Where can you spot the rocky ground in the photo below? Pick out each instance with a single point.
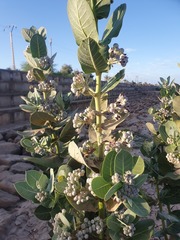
(17, 221)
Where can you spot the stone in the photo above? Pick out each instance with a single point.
(10, 134)
(1, 137)
(21, 167)
(5, 220)
(7, 183)
(9, 148)
(3, 168)
(9, 159)
(17, 139)
(7, 199)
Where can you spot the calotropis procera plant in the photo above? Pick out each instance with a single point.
(95, 192)
(164, 157)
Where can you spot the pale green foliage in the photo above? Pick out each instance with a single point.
(92, 189)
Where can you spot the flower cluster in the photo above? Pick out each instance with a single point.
(79, 85)
(41, 195)
(42, 145)
(30, 76)
(116, 178)
(128, 189)
(117, 55)
(74, 188)
(61, 232)
(54, 109)
(80, 119)
(173, 158)
(125, 139)
(45, 62)
(117, 108)
(47, 86)
(128, 178)
(129, 230)
(90, 226)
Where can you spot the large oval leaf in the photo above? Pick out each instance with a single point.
(112, 190)
(91, 56)
(114, 24)
(25, 191)
(38, 46)
(43, 213)
(144, 230)
(34, 177)
(138, 167)
(139, 206)
(113, 82)
(75, 153)
(100, 187)
(82, 20)
(41, 118)
(108, 166)
(123, 162)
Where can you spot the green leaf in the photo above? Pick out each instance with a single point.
(108, 166)
(173, 226)
(102, 8)
(171, 175)
(63, 171)
(138, 168)
(42, 31)
(25, 191)
(151, 128)
(113, 82)
(38, 74)
(41, 118)
(38, 46)
(100, 187)
(144, 229)
(33, 62)
(27, 144)
(90, 56)
(113, 223)
(123, 162)
(60, 186)
(75, 153)
(28, 108)
(59, 100)
(43, 213)
(82, 20)
(114, 235)
(170, 195)
(28, 33)
(138, 181)
(112, 190)
(163, 133)
(139, 206)
(48, 162)
(114, 24)
(176, 105)
(34, 177)
(68, 132)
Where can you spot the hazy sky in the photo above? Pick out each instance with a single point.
(150, 35)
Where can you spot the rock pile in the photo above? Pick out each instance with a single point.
(17, 221)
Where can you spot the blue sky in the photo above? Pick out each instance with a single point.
(150, 35)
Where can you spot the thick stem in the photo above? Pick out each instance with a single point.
(97, 99)
(161, 209)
